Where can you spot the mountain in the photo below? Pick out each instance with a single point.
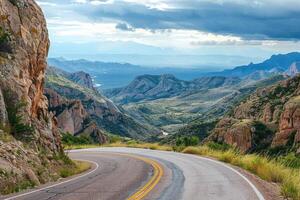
(30, 147)
(151, 87)
(276, 64)
(79, 106)
(170, 103)
(82, 78)
(293, 70)
(215, 82)
(268, 120)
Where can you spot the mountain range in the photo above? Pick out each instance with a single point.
(151, 87)
(170, 103)
(275, 64)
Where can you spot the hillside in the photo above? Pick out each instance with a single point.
(30, 145)
(183, 101)
(267, 120)
(152, 87)
(79, 106)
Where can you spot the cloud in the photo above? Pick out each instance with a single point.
(261, 19)
(124, 27)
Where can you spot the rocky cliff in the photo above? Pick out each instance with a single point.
(73, 118)
(24, 116)
(269, 118)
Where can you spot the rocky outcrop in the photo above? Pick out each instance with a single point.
(73, 118)
(276, 107)
(70, 114)
(82, 78)
(289, 124)
(30, 146)
(22, 71)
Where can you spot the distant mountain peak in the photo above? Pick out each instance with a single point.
(294, 69)
(83, 79)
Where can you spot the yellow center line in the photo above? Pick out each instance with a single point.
(149, 186)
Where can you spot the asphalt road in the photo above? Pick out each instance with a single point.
(117, 175)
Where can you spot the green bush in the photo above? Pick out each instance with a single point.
(218, 146)
(18, 129)
(63, 157)
(68, 139)
(187, 141)
(4, 41)
(115, 139)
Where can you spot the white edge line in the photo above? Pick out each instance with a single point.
(34, 191)
(257, 192)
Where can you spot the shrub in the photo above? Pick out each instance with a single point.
(115, 139)
(4, 41)
(18, 129)
(63, 157)
(187, 141)
(218, 146)
(68, 139)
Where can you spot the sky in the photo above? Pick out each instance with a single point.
(183, 33)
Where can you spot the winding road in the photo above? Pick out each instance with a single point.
(135, 174)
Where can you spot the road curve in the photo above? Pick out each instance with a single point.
(186, 177)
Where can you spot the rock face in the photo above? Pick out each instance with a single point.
(22, 71)
(73, 118)
(24, 115)
(276, 107)
(70, 114)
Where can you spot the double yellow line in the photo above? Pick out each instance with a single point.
(158, 173)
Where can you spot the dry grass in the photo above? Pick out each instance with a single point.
(77, 168)
(153, 146)
(266, 168)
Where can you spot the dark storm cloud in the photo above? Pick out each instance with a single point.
(124, 27)
(260, 19)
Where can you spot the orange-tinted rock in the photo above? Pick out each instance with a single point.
(22, 70)
(277, 106)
